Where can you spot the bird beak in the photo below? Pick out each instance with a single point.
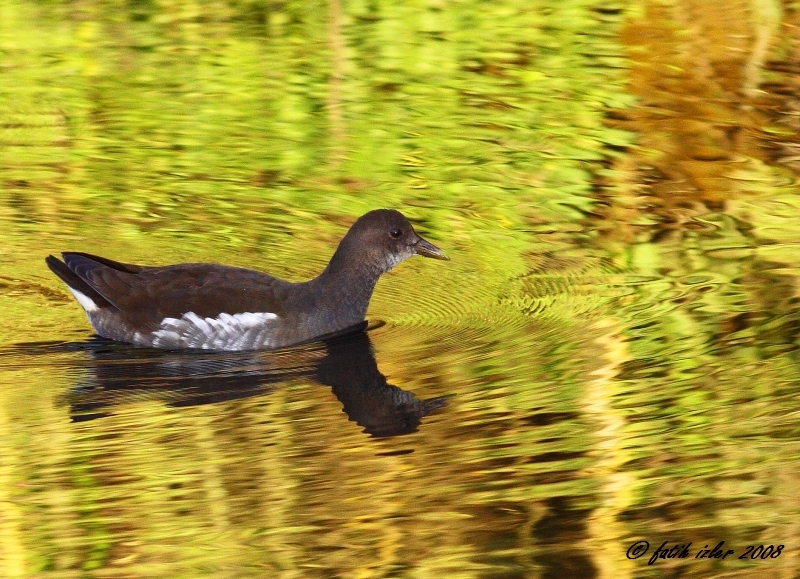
(427, 249)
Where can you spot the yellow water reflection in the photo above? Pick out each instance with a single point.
(610, 356)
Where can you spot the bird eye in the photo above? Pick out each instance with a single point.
(395, 233)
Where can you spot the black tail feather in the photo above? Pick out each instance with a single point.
(74, 281)
(76, 260)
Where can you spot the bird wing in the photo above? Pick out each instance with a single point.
(145, 296)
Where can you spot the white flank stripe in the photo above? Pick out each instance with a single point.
(225, 332)
(202, 325)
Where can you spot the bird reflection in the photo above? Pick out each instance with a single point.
(346, 363)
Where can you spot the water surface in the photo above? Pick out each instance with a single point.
(610, 356)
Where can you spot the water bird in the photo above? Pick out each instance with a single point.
(217, 307)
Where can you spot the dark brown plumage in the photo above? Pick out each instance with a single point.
(201, 305)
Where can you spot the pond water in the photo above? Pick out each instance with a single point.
(611, 356)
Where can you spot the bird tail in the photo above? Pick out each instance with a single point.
(75, 282)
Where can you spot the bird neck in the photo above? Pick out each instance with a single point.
(344, 290)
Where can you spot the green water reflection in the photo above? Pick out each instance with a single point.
(615, 336)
